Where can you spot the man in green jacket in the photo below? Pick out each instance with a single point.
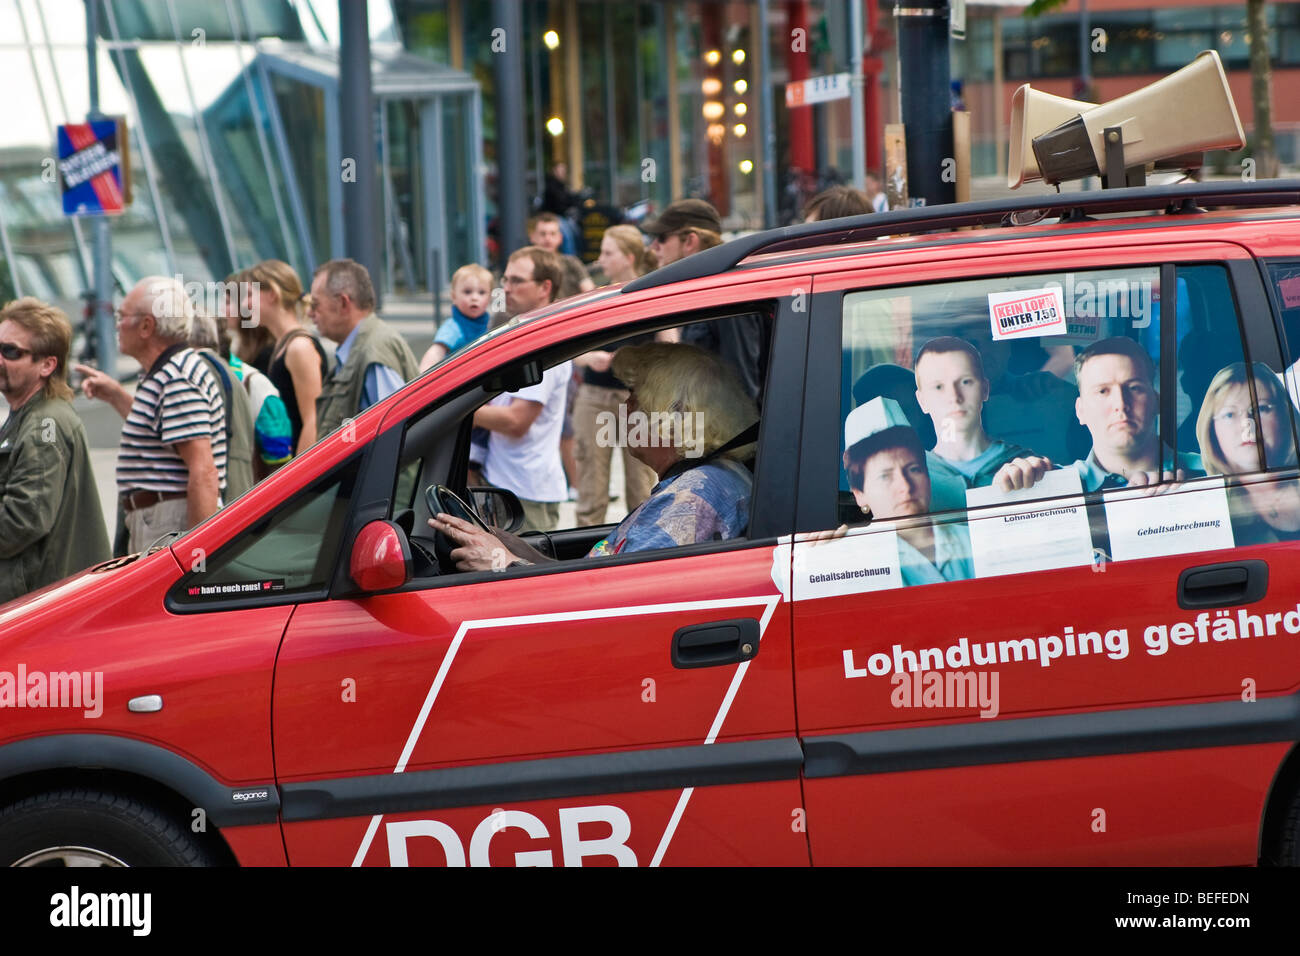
(51, 521)
(373, 360)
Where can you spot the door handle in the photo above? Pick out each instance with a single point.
(1222, 585)
(718, 642)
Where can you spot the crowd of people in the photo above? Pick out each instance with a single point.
(543, 443)
(225, 399)
(222, 401)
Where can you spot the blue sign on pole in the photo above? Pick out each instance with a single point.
(92, 161)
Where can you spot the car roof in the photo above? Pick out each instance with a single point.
(1151, 207)
(1242, 212)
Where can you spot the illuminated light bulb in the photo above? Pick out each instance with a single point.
(555, 126)
(551, 39)
(711, 86)
(740, 86)
(746, 166)
(737, 57)
(739, 129)
(741, 109)
(713, 110)
(713, 57)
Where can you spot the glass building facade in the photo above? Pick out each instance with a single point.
(232, 112)
(658, 99)
(234, 128)
(1133, 48)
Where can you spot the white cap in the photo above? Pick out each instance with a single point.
(871, 418)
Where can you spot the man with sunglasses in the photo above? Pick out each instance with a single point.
(684, 228)
(51, 522)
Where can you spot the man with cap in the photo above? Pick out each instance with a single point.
(889, 479)
(689, 226)
(684, 228)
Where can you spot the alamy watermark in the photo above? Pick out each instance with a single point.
(74, 908)
(72, 689)
(220, 299)
(1115, 298)
(958, 690)
(638, 429)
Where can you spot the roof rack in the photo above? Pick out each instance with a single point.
(1179, 198)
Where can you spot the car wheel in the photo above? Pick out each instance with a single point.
(88, 828)
(1288, 844)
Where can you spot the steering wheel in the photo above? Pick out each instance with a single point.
(440, 498)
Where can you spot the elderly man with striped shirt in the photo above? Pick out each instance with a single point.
(171, 464)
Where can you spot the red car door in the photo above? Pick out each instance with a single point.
(539, 718)
(1076, 711)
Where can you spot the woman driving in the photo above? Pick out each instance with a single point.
(690, 420)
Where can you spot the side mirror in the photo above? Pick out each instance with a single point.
(381, 558)
(498, 507)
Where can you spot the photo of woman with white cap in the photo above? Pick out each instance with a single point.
(889, 479)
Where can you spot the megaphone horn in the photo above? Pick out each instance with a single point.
(1033, 111)
(1153, 121)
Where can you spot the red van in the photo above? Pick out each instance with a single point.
(1020, 586)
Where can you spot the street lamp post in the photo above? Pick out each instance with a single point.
(771, 215)
(100, 312)
(357, 136)
(926, 100)
(509, 76)
(856, 83)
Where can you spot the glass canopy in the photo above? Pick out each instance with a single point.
(232, 109)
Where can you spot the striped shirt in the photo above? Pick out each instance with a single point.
(178, 400)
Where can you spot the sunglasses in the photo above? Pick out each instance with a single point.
(13, 352)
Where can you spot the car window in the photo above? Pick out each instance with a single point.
(1218, 417)
(1026, 358)
(1284, 276)
(288, 552)
(965, 404)
(585, 405)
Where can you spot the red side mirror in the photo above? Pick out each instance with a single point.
(381, 558)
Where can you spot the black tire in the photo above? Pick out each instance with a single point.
(1288, 843)
(107, 829)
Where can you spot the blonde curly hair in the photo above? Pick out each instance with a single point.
(673, 378)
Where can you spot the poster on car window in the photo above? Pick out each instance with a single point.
(1026, 533)
(852, 564)
(1147, 525)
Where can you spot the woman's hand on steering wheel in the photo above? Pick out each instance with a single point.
(476, 549)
